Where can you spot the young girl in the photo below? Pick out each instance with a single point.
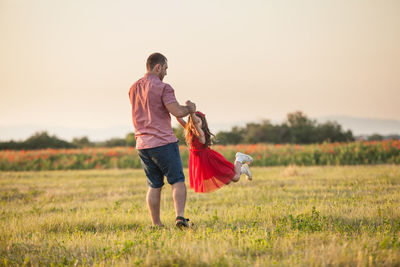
(208, 169)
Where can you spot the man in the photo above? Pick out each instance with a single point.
(152, 102)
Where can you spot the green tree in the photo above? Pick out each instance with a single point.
(180, 134)
(130, 139)
(235, 136)
(113, 142)
(82, 142)
(302, 129)
(375, 137)
(331, 131)
(11, 145)
(264, 132)
(283, 133)
(43, 140)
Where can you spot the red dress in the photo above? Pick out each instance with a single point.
(208, 169)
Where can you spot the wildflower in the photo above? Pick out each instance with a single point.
(112, 153)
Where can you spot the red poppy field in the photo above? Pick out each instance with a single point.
(356, 153)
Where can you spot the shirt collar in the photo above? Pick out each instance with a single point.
(151, 75)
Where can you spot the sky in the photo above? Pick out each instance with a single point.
(70, 63)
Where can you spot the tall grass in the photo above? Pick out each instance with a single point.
(287, 216)
(355, 153)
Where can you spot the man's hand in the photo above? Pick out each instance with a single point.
(191, 106)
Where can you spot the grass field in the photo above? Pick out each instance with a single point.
(305, 216)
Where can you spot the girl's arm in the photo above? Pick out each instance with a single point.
(181, 122)
(195, 119)
(200, 133)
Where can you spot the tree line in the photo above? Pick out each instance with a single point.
(296, 129)
(42, 140)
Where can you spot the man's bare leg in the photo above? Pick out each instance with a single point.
(153, 203)
(179, 196)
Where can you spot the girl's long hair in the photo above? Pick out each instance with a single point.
(190, 130)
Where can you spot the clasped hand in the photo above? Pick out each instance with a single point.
(191, 106)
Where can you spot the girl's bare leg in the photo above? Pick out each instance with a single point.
(237, 168)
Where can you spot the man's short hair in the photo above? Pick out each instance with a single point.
(154, 59)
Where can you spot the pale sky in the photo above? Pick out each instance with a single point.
(71, 63)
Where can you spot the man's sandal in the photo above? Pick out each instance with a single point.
(181, 222)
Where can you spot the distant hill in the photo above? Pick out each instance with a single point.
(365, 126)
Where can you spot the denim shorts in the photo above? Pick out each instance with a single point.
(162, 161)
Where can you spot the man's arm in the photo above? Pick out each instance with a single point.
(180, 111)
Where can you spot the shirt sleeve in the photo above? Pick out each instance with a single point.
(168, 95)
